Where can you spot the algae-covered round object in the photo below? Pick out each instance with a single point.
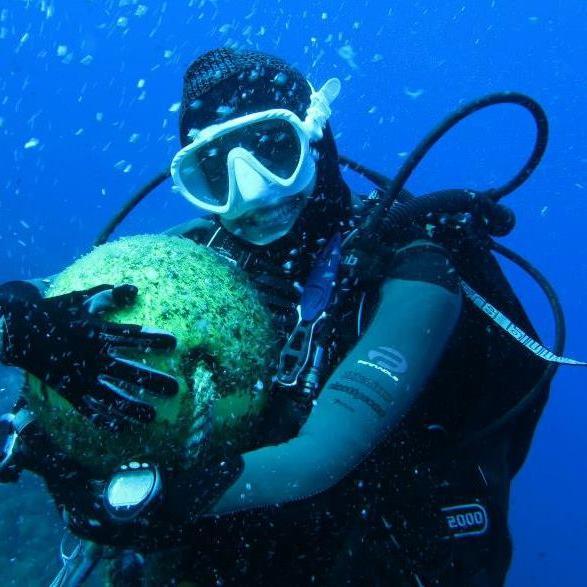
(223, 360)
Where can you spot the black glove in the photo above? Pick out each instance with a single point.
(61, 341)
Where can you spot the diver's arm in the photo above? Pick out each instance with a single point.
(368, 392)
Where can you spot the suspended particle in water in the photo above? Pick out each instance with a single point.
(280, 79)
(348, 54)
(61, 50)
(174, 107)
(224, 110)
(414, 94)
(32, 143)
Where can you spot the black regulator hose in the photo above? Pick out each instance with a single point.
(373, 176)
(137, 198)
(392, 188)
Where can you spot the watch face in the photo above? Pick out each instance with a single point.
(131, 489)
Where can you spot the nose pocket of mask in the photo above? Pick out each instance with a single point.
(250, 182)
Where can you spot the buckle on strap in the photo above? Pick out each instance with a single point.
(312, 309)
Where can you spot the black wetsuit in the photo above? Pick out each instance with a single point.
(369, 491)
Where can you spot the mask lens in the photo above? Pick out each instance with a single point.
(274, 143)
(204, 175)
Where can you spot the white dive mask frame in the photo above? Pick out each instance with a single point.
(308, 131)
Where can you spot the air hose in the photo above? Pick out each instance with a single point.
(392, 188)
(136, 199)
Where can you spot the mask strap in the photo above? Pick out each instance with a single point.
(319, 110)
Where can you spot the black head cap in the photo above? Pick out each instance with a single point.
(224, 84)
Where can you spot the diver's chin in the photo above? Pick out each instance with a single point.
(266, 225)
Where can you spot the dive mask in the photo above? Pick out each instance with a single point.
(257, 169)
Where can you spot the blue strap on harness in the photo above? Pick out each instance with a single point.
(316, 298)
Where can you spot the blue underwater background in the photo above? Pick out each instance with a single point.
(89, 91)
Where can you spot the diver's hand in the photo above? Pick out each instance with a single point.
(62, 341)
(174, 515)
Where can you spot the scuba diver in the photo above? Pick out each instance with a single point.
(409, 383)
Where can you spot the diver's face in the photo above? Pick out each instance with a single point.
(270, 182)
(255, 171)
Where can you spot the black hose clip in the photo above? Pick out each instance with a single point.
(478, 210)
(499, 219)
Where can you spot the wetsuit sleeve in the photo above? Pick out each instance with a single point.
(369, 391)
